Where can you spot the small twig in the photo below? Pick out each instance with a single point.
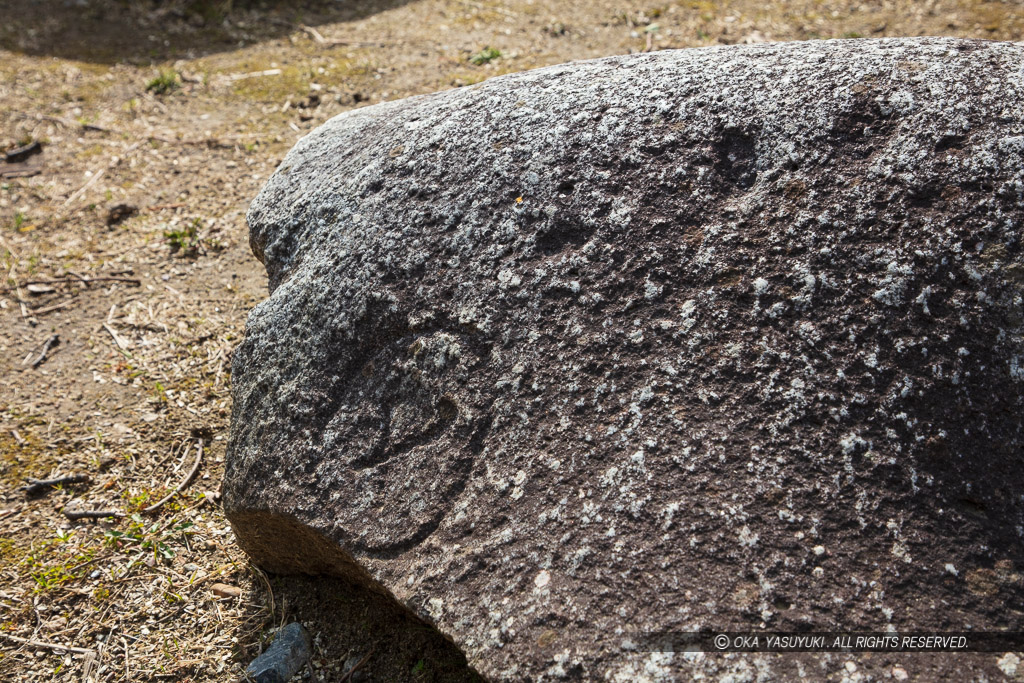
(48, 646)
(102, 647)
(96, 176)
(318, 676)
(319, 39)
(51, 308)
(6, 246)
(148, 138)
(129, 280)
(83, 279)
(313, 33)
(176, 449)
(161, 207)
(137, 577)
(91, 514)
(17, 435)
(358, 665)
(212, 575)
(117, 341)
(127, 675)
(89, 667)
(53, 119)
(486, 8)
(47, 345)
(184, 482)
(83, 564)
(35, 486)
(20, 172)
(212, 143)
(66, 122)
(254, 74)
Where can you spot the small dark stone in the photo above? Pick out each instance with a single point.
(286, 655)
(120, 213)
(202, 432)
(23, 152)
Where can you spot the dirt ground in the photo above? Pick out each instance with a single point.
(127, 277)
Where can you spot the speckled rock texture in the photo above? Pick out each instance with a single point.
(723, 338)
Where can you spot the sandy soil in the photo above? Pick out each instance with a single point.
(123, 244)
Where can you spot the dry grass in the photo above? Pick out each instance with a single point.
(142, 368)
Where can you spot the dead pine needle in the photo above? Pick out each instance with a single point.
(118, 344)
(47, 646)
(270, 591)
(114, 161)
(358, 665)
(184, 482)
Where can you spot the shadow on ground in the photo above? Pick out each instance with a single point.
(114, 31)
(350, 625)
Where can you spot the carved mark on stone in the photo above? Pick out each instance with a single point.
(388, 419)
(387, 546)
(387, 447)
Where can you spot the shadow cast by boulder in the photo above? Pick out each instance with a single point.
(152, 31)
(350, 624)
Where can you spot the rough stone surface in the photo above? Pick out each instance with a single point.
(284, 658)
(724, 338)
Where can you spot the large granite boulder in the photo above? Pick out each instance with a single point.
(726, 338)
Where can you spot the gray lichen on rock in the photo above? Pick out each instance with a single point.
(727, 338)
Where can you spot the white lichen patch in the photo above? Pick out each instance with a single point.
(508, 278)
(747, 537)
(1009, 664)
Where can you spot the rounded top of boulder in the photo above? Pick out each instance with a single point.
(792, 92)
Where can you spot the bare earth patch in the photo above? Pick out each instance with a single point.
(125, 256)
